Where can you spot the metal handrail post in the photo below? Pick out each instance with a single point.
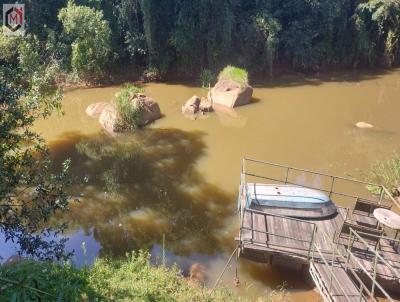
(332, 183)
(374, 276)
(287, 175)
(381, 195)
(312, 239)
(330, 281)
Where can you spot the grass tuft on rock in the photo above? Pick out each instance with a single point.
(131, 279)
(130, 112)
(233, 73)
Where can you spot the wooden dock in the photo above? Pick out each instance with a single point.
(344, 268)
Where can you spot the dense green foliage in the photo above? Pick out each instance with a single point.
(234, 74)
(129, 279)
(386, 173)
(184, 37)
(130, 112)
(90, 38)
(29, 192)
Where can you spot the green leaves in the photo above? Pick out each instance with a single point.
(377, 25)
(30, 189)
(91, 39)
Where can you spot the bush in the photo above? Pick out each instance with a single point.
(130, 112)
(91, 39)
(152, 74)
(234, 74)
(386, 173)
(206, 78)
(129, 279)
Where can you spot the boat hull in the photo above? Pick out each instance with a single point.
(287, 200)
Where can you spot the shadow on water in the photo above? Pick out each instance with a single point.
(143, 185)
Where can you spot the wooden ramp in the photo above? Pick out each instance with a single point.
(334, 283)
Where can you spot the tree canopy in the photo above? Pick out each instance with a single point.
(30, 192)
(185, 37)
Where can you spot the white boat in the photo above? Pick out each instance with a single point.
(287, 200)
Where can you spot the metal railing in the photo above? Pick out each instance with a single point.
(377, 259)
(326, 286)
(383, 195)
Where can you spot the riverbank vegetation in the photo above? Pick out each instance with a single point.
(174, 38)
(387, 173)
(130, 279)
(31, 188)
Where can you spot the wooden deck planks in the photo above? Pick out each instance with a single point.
(270, 244)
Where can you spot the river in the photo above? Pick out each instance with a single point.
(179, 177)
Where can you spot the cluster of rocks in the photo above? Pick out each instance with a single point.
(225, 94)
(109, 116)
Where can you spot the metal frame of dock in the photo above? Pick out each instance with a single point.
(341, 272)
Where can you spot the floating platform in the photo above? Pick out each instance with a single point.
(286, 221)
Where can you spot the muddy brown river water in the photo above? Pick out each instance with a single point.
(179, 177)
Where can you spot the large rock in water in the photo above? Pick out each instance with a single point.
(150, 109)
(94, 110)
(110, 118)
(230, 93)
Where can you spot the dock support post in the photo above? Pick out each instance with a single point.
(223, 271)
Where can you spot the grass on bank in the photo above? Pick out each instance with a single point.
(233, 73)
(130, 113)
(130, 279)
(387, 173)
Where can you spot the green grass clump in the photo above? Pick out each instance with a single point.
(206, 78)
(386, 173)
(130, 113)
(233, 73)
(129, 279)
(43, 281)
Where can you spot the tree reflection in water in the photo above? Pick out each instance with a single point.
(143, 185)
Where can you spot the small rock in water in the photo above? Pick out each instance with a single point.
(364, 125)
(197, 273)
(196, 106)
(13, 259)
(191, 106)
